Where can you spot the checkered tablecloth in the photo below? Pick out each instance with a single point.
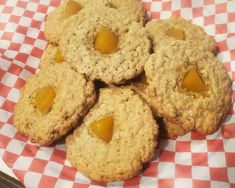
(193, 160)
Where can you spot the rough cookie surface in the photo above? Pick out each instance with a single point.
(74, 96)
(133, 141)
(77, 46)
(167, 128)
(48, 56)
(202, 112)
(157, 30)
(56, 20)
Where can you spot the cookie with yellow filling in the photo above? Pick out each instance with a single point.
(162, 32)
(116, 137)
(57, 19)
(105, 46)
(189, 87)
(52, 102)
(167, 128)
(51, 55)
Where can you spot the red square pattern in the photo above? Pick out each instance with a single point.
(183, 146)
(201, 184)
(231, 17)
(7, 9)
(80, 185)
(165, 183)
(221, 28)
(20, 137)
(68, 173)
(183, 171)
(228, 131)
(199, 159)
(58, 156)
(8, 106)
(166, 156)
(47, 181)
(21, 4)
(133, 182)
(4, 141)
(215, 145)
(30, 150)
(4, 90)
(15, 69)
(38, 165)
(151, 170)
(10, 158)
(209, 20)
(197, 12)
(166, 6)
(230, 159)
(219, 174)
(221, 8)
(197, 136)
(186, 4)
(19, 83)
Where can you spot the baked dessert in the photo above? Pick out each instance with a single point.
(105, 47)
(51, 55)
(188, 86)
(116, 137)
(162, 32)
(57, 19)
(52, 102)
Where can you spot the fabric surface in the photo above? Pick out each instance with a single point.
(192, 160)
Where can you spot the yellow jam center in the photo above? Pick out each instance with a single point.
(103, 128)
(58, 56)
(72, 8)
(193, 82)
(44, 98)
(106, 41)
(176, 33)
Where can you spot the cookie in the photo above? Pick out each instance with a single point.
(167, 128)
(162, 32)
(132, 143)
(57, 19)
(52, 102)
(129, 41)
(48, 56)
(188, 87)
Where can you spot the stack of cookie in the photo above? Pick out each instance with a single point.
(178, 80)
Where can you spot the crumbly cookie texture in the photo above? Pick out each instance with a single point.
(194, 111)
(157, 30)
(48, 56)
(171, 130)
(77, 46)
(133, 141)
(133, 9)
(167, 128)
(56, 20)
(74, 96)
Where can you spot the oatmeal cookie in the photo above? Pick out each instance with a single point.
(48, 56)
(52, 102)
(188, 87)
(162, 32)
(167, 128)
(78, 46)
(57, 19)
(132, 143)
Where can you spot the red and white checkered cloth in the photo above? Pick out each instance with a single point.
(193, 160)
